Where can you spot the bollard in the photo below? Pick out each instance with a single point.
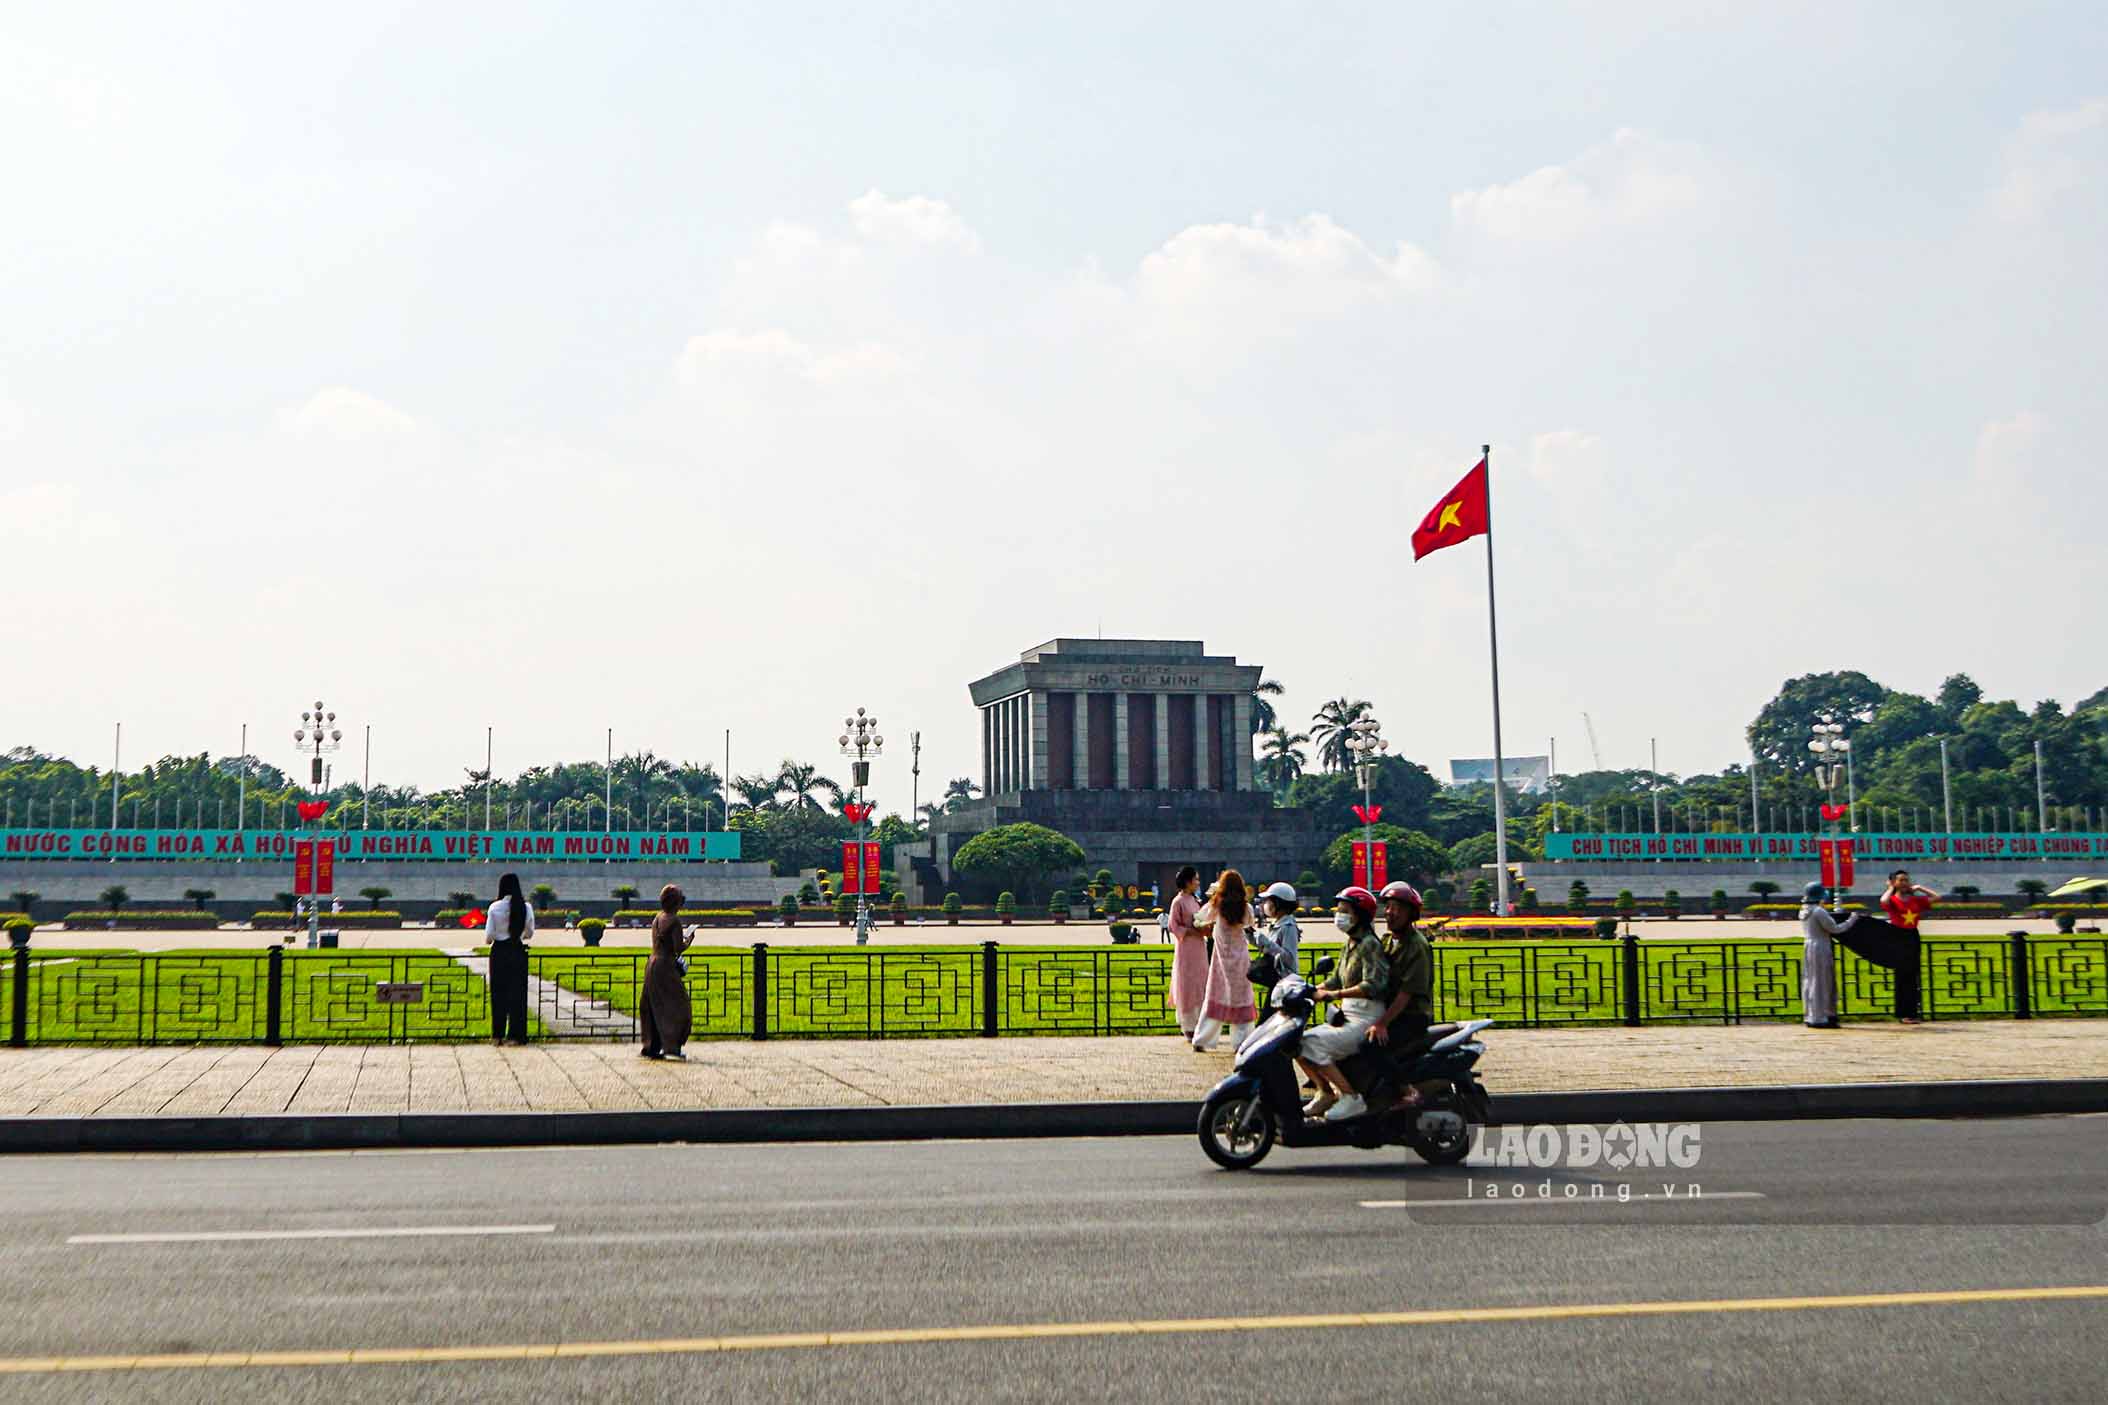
(1631, 956)
(274, 995)
(18, 1015)
(2022, 977)
(761, 990)
(991, 989)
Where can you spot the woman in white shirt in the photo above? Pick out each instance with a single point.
(509, 927)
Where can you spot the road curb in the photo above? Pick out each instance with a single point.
(355, 1131)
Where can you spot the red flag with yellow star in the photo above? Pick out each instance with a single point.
(1459, 516)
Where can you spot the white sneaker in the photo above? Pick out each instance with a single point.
(1352, 1105)
(1317, 1105)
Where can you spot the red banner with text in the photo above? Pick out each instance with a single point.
(325, 866)
(303, 868)
(852, 866)
(1368, 874)
(871, 867)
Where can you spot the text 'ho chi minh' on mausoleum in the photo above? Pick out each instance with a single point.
(1140, 750)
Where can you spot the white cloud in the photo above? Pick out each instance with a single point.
(1312, 258)
(914, 219)
(2053, 155)
(1568, 458)
(340, 412)
(2006, 450)
(1632, 180)
(713, 356)
(51, 512)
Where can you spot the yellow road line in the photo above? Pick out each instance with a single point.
(1019, 1331)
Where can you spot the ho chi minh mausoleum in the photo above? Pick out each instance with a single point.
(1140, 750)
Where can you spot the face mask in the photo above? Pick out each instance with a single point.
(1343, 921)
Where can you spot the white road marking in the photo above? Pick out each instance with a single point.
(1562, 1199)
(216, 1236)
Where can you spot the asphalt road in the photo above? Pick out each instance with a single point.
(649, 1249)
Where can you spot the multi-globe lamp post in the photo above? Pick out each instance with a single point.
(1833, 759)
(316, 737)
(860, 742)
(1366, 747)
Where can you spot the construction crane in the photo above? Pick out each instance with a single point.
(1593, 749)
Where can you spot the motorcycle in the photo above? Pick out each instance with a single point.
(1259, 1103)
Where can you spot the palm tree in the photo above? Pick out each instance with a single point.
(797, 781)
(757, 792)
(1282, 760)
(1263, 718)
(960, 793)
(1330, 732)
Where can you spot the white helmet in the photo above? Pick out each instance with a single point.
(1280, 892)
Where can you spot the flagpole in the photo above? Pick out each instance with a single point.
(1500, 788)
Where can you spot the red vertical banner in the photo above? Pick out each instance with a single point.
(1379, 865)
(871, 867)
(1844, 863)
(1361, 863)
(852, 866)
(326, 866)
(303, 868)
(1826, 850)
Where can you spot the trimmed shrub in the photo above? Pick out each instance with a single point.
(788, 907)
(845, 908)
(141, 917)
(1627, 904)
(1606, 927)
(1481, 894)
(377, 895)
(1672, 904)
(1307, 883)
(1058, 905)
(1718, 903)
(590, 929)
(1763, 888)
(952, 908)
(375, 917)
(808, 894)
(1528, 901)
(18, 929)
(115, 897)
(624, 895)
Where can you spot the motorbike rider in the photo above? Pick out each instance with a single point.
(1411, 1007)
(1360, 985)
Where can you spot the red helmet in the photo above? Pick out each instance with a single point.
(1363, 900)
(1404, 892)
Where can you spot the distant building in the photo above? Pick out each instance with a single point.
(1528, 774)
(1138, 749)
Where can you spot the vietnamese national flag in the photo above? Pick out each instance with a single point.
(1459, 516)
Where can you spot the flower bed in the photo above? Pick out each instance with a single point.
(142, 919)
(696, 916)
(554, 917)
(366, 918)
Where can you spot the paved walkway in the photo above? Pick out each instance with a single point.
(574, 1077)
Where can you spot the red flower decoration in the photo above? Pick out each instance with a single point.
(1368, 814)
(474, 917)
(313, 809)
(1836, 812)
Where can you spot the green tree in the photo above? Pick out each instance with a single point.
(1411, 855)
(1263, 694)
(1021, 857)
(1763, 888)
(198, 897)
(1330, 729)
(23, 899)
(802, 787)
(959, 793)
(543, 895)
(115, 897)
(1780, 734)
(2032, 889)
(1577, 896)
(374, 895)
(1281, 759)
(1481, 894)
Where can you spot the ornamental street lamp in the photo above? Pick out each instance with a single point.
(316, 737)
(1833, 762)
(1366, 747)
(860, 742)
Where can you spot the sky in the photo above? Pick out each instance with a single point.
(678, 369)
